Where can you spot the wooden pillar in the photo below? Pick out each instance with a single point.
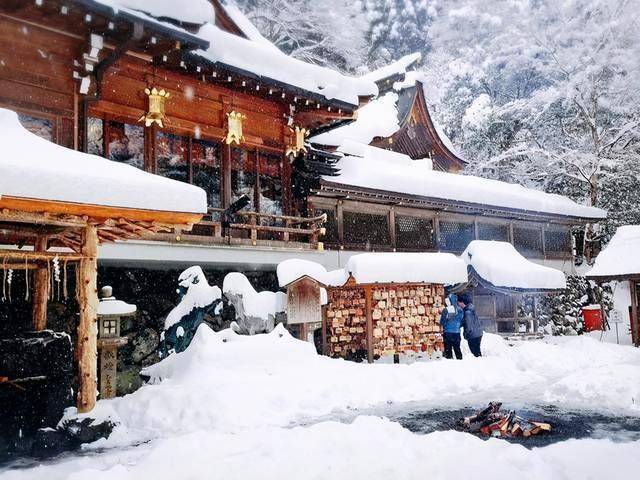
(41, 289)
(226, 175)
(325, 351)
(339, 221)
(88, 326)
(367, 299)
(635, 328)
(392, 228)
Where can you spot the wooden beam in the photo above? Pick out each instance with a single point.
(88, 326)
(41, 289)
(368, 309)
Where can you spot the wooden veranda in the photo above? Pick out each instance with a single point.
(35, 233)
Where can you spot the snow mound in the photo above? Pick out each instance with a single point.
(190, 11)
(256, 304)
(230, 383)
(620, 257)
(291, 270)
(500, 264)
(75, 177)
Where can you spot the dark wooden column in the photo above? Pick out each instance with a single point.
(88, 325)
(635, 329)
(41, 288)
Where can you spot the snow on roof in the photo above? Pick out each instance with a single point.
(189, 11)
(36, 168)
(378, 118)
(291, 270)
(500, 264)
(396, 267)
(112, 306)
(621, 256)
(375, 168)
(271, 63)
(398, 67)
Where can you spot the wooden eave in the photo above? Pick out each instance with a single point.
(609, 278)
(305, 277)
(83, 17)
(28, 217)
(341, 191)
(430, 143)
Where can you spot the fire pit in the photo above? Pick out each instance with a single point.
(491, 421)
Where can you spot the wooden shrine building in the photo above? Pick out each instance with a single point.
(57, 206)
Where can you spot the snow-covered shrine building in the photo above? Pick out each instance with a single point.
(233, 115)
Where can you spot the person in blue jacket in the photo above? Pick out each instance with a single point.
(471, 323)
(451, 321)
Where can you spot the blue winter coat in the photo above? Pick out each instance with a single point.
(451, 323)
(471, 323)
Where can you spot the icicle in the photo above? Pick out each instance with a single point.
(4, 279)
(49, 279)
(64, 282)
(9, 282)
(26, 279)
(56, 274)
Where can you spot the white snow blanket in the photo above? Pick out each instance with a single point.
(230, 400)
(371, 167)
(621, 256)
(113, 306)
(398, 67)
(500, 264)
(31, 167)
(291, 270)
(190, 11)
(395, 267)
(271, 63)
(256, 304)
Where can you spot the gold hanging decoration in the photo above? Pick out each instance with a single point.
(300, 134)
(234, 128)
(155, 112)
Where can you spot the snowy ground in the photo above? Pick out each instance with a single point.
(268, 407)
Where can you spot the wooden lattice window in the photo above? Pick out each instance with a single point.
(455, 236)
(414, 233)
(331, 226)
(365, 229)
(557, 241)
(528, 240)
(493, 231)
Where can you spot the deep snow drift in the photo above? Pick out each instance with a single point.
(218, 410)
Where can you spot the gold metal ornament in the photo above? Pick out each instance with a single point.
(298, 145)
(155, 113)
(234, 128)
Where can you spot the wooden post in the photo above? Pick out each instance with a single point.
(88, 326)
(41, 289)
(634, 313)
(254, 231)
(392, 228)
(367, 299)
(325, 351)
(339, 221)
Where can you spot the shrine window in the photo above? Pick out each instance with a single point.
(493, 231)
(455, 236)
(557, 241)
(172, 156)
(414, 233)
(270, 176)
(125, 143)
(243, 176)
(42, 127)
(206, 170)
(528, 240)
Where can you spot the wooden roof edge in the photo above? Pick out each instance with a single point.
(474, 275)
(439, 203)
(79, 214)
(304, 277)
(610, 278)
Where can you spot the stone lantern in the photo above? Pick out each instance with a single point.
(110, 313)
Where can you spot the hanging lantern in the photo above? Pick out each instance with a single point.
(300, 134)
(234, 128)
(155, 113)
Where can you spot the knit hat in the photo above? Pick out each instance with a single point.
(465, 297)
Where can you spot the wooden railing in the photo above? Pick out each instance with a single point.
(254, 228)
